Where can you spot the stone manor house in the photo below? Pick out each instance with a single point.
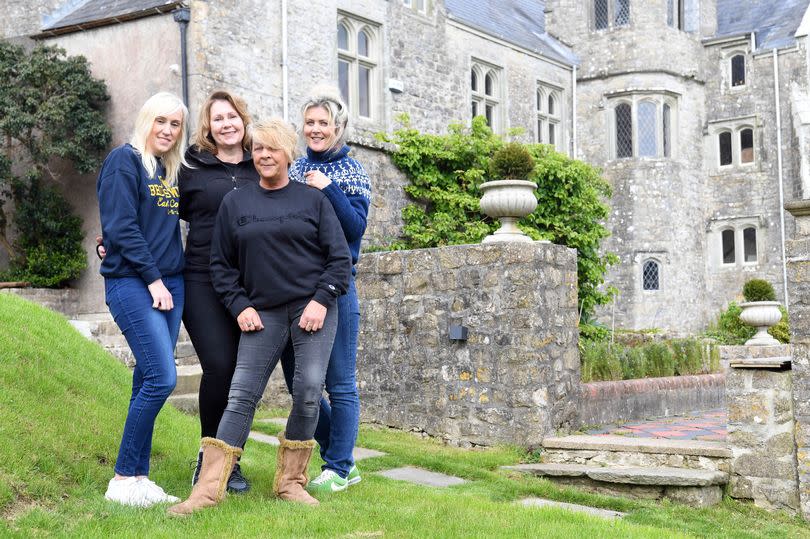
(697, 111)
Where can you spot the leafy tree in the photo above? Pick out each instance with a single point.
(445, 172)
(51, 108)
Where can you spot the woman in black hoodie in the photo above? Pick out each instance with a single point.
(220, 162)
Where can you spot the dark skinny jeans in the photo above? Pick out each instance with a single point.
(259, 352)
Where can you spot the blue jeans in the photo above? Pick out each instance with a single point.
(152, 336)
(258, 355)
(339, 416)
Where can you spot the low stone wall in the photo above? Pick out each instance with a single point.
(604, 403)
(514, 380)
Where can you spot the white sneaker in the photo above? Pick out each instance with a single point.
(127, 491)
(154, 493)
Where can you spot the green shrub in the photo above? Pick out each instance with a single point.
(758, 290)
(688, 356)
(600, 361)
(660, 360)
(634, 363)
(511, 162)
(781, 330)
(49, 244)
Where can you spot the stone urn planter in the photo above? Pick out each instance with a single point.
(509, 201)
(761, 315)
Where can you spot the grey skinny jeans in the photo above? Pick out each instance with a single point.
(259, 352)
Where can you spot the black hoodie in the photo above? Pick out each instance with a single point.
(202, 188)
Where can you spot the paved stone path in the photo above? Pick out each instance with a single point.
(593, 511)
(422, 477)
(709, 426)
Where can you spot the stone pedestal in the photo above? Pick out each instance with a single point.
(760, 429)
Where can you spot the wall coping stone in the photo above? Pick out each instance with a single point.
(699, 448)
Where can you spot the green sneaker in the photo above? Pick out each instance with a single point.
(327, 483)
(354, 476)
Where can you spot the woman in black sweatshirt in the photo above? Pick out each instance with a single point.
(279, 260)
(219, 162)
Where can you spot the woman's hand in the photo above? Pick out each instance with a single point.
(313, 316)
(101, 252)
(161, 297)
(317, 179)
(249, 320)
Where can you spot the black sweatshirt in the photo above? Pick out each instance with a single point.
(202, 187)
(272, 247)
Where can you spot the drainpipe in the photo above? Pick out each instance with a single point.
(182, 16)
(778, 107)
(574, 114)
(284, 83)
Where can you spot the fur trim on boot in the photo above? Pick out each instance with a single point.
(217, 463)
(291, 470)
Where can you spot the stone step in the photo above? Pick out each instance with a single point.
(186, 402)
(188, 379)
(698, 488)
(698, 448)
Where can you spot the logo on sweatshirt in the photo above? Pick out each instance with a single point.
(165, 196)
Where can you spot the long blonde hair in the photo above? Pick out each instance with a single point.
(202, 134)
(161, 104)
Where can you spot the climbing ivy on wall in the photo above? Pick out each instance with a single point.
(445, 171)
(51, 110)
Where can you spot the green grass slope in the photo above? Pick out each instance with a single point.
(62, 407)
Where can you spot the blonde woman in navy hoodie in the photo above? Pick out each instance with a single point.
(143, 278)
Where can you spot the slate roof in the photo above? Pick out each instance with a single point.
(520, 22)
(774, 22)
(91, 13)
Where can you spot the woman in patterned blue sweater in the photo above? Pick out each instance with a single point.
(328, 167)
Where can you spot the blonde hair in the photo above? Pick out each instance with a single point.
(202, 138)
(328, 98)
(161, 104)
(276, 134)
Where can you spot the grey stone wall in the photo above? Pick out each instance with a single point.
(760, 436)
(516, 378)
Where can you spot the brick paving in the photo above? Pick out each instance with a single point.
(706, 425)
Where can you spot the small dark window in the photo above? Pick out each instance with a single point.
(728, 247)
(647, 143)
(474, 80)
(624, 131)
(622, 12)
(750, 244)
(343, 38)
(600, 14)
(474, 109)
(738, 70)
(488, 109)
(540, 130)
(489, 82)
(747, 146)
(725, 148)
(551, 106)
(362, 43)
(539, 101)
(666, 124)
(649, 276)
(552, 130)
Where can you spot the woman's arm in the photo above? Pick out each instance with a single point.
(351, 206)
(334, 281)
(225, 273)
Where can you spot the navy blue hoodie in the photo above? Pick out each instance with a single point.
(140, 221)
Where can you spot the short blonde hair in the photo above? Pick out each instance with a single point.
(276, 134)
(161, 104)
(202, 138)
(329, 99)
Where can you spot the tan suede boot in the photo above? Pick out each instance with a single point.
(291, 470)
(218, 461)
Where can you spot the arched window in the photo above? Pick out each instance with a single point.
(357, 64)
(729, 256)
(624, 131)
(650, 278)
(486, 100)
(747, 145)
(666, 129)
(750, 244)
(737, 70)
(647, 143)
(724, 141)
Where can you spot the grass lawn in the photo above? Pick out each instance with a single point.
(62, 408)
